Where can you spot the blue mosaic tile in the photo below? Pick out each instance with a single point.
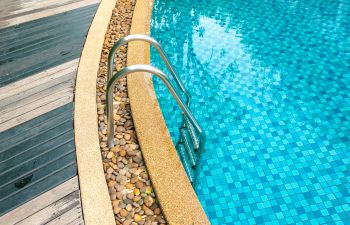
(270, 84)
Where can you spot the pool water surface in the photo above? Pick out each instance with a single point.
(270, 84)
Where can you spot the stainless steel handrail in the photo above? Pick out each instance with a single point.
(162, 76)
(157, 46)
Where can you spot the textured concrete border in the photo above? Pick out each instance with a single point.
(96, 204)
(177, 199)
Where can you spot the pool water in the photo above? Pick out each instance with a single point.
(270, 83)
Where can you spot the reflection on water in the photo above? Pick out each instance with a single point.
(270, 82)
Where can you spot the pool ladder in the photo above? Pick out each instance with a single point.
(192, 137)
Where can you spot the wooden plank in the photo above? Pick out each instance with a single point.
(24, 34)
(40, 151)
(37, 111)
(9, 5)
(32, 146)
(44, 151)
(54, 210)
(49, 164)
(40, 202)
(37, 187)
(69, 217)
(21, 9)
(60, 39)
(38, 79)
(45, 13)
(22, 100)
(33, 96)
(45, 100)
(34, 127)
(77, 221)
(36, 95)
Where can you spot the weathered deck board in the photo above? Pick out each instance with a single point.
(36, 108)
(23, 13)
(40, 46)
(40, 151)
(33, 84)
(41, 124)
(38, 94)
(53, 211)
(35, 46)
(60, 205)
(68, 217)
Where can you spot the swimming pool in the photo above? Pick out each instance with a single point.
(270, 83)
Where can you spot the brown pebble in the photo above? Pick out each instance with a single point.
(123, 212)
(137, 198)
(127, 137)
(122, 153)
(119, 188)
(148, 211)
(157, 211)
(134, 180)
(116, 210)
(127, 222)
(110, 155)
(119, 195)
(110, 170)
(131, 153)
(149, 201)
(111, 183)
(113, 197)
(128, 207)
(117, 117)
(115, 149)
(129, 186)
(130, 196)
(137, 159)
(139, 184)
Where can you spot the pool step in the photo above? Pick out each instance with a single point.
(192, 132)
(188, 144)
(184, 159)
(189, 149)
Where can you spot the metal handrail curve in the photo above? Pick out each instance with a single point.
(163, 77)
(157, 46)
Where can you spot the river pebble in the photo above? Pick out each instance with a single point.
(130, 189)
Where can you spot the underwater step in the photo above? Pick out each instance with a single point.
(186, 164)
(188, 144)
(192, 131)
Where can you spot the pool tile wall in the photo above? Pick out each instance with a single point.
(270, 82)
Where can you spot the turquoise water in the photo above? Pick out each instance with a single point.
(270, 82)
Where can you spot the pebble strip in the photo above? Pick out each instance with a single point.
(130, 188)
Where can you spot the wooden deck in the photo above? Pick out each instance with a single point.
(16, 12)
(40, 45)
(38, 94)
(61, 205)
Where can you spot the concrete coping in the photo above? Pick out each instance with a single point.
(96, 204)
(176, 196)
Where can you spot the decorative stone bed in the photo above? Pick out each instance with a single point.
(131, 193)
(128, 197)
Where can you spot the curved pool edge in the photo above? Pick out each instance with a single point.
(176, 196)
(95, 198)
